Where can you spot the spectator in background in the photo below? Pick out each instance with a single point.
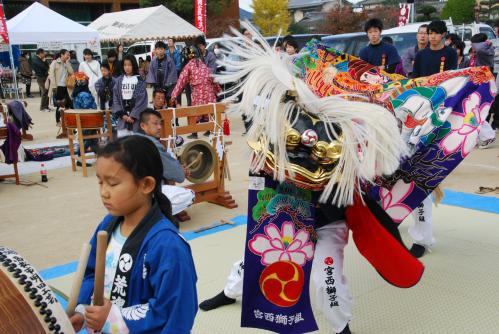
(141, 68)
(147, 64)
(174, 54)
(285, 40)
(199, 76)
(25, 71)
(73, 60)
(208, 57)
(484, 53)
(451, 40)
(120, 52)
(462, 60)
(41, 68)
(278, 46)
(379, 53)
(438, 57)
(59, 71)
(162, 72)
(484, 50)
(129, 97)
(247, 34)
(410, 55)
(292, 47)
(91, 68)
(113, 63)
(104, 88)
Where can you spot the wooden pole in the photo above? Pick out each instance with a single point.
(78, 279)
(100, 268)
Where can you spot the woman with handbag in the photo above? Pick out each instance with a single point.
(91, 68)
(61, 80)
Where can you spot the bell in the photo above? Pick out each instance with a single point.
(199, 157)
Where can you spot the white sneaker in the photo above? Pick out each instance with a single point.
(486, 144)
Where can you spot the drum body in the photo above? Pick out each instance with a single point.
(89, 118)
(27, 304)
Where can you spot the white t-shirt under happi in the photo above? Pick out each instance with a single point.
(112, 258)
(128, 86)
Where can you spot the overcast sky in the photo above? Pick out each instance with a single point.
(245, 4)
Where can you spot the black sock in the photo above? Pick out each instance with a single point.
(417, 250)
(346, 330)
(219, 300)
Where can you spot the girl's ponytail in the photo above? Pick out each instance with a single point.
(141, 158)
(165, 205)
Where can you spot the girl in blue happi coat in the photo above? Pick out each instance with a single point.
(150, 279)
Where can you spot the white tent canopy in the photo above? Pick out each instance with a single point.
(39, 24)
(152, 23)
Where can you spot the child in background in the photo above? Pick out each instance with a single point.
(150, 279)
(104, 87)
(129, 97)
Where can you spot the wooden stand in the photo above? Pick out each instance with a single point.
(210, 191)
(78, 129)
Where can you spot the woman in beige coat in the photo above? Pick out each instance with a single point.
(59, 72)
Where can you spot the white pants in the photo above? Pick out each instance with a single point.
(333, 297)
(421, 231)
(124, 133)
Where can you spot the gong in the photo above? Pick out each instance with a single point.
(199, 157)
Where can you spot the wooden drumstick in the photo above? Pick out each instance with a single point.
(199, 156)
(100, 268)
(78, 279)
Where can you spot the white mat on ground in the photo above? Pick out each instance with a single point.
(30, 167)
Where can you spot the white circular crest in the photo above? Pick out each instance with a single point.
(125, 262)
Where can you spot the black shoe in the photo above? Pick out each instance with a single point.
(219, 300)
(79, 164)
(30, 96)
(345, 330)
(206, 134)
(193, 136)
(417, 250)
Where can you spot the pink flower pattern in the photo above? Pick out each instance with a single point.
(282, 245)
(465, 128)
(392, 200)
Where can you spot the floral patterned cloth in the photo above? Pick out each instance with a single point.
(199, 76)
(440, 117)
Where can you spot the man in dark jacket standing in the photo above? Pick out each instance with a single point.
(41, 68)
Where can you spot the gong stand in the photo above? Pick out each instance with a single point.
(212, 191)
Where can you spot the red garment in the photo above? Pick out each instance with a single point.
(198, 75)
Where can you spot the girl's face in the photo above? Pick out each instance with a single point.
(290, 50)
(88, 57)
(120, 193)
(127, 66)
(120, 48)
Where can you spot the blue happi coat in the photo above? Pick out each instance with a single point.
(163, 278)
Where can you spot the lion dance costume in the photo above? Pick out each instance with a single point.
(333, 133)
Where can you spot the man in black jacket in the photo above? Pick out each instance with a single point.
(41, 68)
